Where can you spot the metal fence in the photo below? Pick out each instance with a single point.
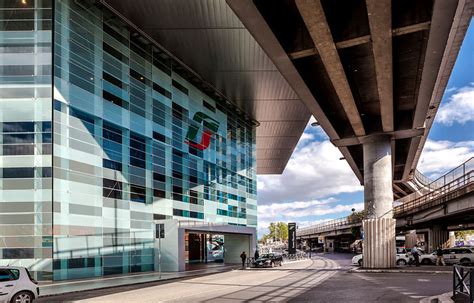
(329, 226)
(427, 186)
(463, 283)
(436, 196)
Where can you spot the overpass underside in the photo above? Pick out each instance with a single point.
(372, 72)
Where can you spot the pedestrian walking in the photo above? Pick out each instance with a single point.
(416, 254)
(243, 256)
(439, 256)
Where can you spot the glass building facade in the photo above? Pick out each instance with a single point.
(120, 140)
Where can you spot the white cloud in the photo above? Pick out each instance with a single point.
(293, 210)
(314, 171)
(301, 212)
(439, 157)
(459, 108)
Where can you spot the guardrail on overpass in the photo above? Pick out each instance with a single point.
(327, 226)
(425, 185)
(457, 182)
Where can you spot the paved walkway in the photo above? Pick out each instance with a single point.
(62, 287)
(256, 285)
(322, 279)
(51, 288)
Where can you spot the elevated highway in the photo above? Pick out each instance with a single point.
(372, 73)
(445, 204)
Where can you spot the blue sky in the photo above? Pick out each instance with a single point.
(317, 186)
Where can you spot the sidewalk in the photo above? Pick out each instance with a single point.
(52, 288)
(428, 269)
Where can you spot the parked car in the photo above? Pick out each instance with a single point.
(401, 259)
(427, 259)
(17, 285)
(451, 255)
(456, 255)
(268, 260)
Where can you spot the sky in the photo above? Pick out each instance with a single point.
(316, 186)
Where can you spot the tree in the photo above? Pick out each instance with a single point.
(277, 231)
(356, 216)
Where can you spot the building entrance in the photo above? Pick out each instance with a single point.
(204, 248)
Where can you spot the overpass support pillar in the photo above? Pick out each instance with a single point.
(379, 225)
(438, 235)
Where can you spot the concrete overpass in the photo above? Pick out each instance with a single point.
(372, 72)
(446, 204)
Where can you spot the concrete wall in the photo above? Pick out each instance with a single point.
(172, 247)
(379, 243)
(234, 245)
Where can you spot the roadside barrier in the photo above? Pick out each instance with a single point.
(463, 282)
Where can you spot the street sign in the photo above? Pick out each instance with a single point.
(292, 238)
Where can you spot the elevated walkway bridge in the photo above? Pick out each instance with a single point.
(435, 208)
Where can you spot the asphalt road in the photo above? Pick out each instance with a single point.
(318, 280)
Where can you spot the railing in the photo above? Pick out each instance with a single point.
(424, 180)
(328, 226)
(430, 186)
(295, 257)
(463, 282)
(435, 196)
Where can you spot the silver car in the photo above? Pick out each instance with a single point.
(17, 286)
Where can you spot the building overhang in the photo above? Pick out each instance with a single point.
(211, 43)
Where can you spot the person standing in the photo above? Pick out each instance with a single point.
(243, 256)
(416, 254)
(439, 256)
(257, 255)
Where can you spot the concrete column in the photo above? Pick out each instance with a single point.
(438, 235)
(379, 226)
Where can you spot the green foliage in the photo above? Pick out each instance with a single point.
(277, 231)
(356, 216)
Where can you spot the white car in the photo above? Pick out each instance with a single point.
(17, 286)
(451, 255)
(401, 259)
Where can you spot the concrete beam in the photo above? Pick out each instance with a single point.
(303, 53)
(395, 135)
(353, 42)
(380, 23)
(460, 23)
(399, 189)
(411, 28)
(316, 23)
(258, 27)
(362, 40)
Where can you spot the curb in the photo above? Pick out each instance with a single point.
(443, 298)
(359, 270)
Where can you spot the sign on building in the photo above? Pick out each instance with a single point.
(291, 238)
